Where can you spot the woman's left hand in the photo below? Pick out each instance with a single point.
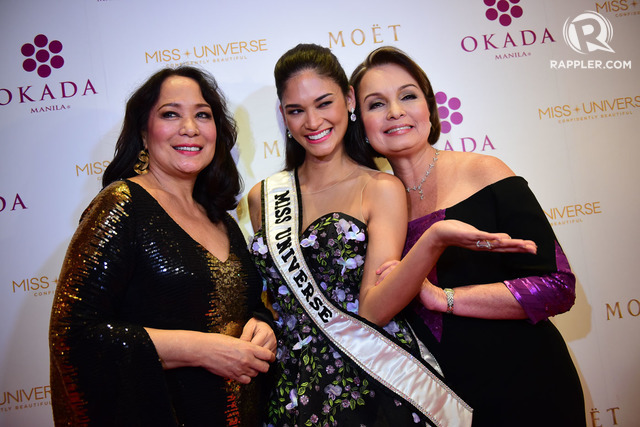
(457, 233)
(386, 268)
(260, 333)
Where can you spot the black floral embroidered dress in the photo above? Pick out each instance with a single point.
(316, 385)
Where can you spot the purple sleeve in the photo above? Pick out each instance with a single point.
(548, 295)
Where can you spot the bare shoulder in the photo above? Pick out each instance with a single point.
(382, 188)
(383, 194)
(483, 169)
(379, 181)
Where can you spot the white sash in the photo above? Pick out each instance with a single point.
(377, 355)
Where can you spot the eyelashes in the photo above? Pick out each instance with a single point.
(321, 105)
(170, 114)
(375, 104)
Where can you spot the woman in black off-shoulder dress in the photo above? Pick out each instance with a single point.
(484, 314)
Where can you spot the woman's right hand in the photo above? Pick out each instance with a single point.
(456, 233)
(220, 354)
(233, 358)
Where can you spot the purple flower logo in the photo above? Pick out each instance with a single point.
(42, 55)
(503, 11)
(447, 111)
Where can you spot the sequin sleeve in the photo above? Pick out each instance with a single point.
(103, 370)
(545, 296)
(549, 289)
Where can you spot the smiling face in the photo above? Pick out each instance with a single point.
(316, 112)
(181, 132)
(394, 111)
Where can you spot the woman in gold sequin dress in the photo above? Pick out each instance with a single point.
(157, 318)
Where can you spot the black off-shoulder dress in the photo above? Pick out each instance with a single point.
(512, 372)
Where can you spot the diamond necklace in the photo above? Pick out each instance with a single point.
(418, 187)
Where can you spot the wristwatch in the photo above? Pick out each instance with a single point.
(449, 293)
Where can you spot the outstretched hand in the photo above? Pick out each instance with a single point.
(457, 233)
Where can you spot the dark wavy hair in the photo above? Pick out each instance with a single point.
(217, 185)
(392, 55)
(321, 60)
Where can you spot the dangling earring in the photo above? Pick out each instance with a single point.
(142, 165)
(353, 115)
(289, 134)
(366, 139)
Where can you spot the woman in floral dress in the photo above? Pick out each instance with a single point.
(342, 358)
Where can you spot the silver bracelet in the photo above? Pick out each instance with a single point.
(449, 293)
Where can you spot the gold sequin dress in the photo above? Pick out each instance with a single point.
(130, 266)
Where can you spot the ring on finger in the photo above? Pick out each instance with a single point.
(484, 244)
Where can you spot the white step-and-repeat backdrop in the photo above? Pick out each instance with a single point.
(550, 87)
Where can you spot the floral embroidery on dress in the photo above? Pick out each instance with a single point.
(315, 385)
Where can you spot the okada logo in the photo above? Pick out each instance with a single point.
(450, 116)
(49, 91)
(447, 111)
(504, 11)
(588, 32)
(509, 42)
(45, 54)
